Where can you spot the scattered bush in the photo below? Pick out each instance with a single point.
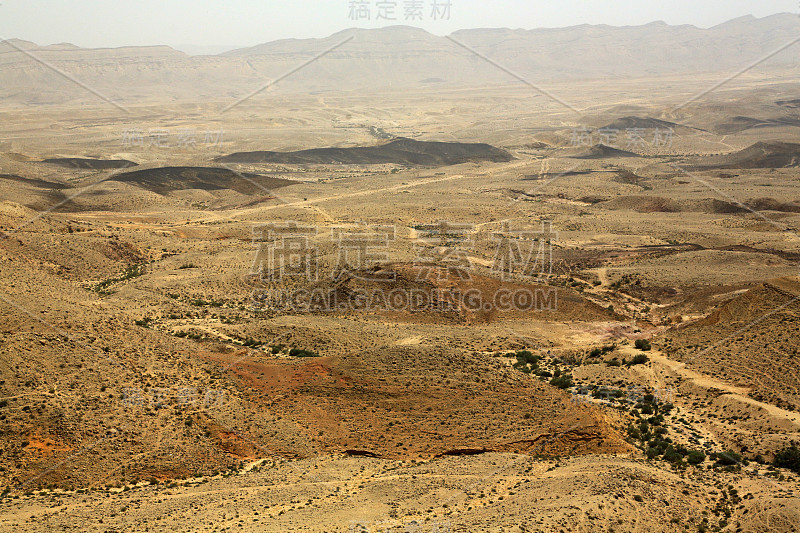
(728, 458)
(133, 271)
(642, 344)
(145, 322)
(639, 359)
(526, 361)
(562, 382)
(788, 458)
(695, 457)
(297, 352)
(672, 455)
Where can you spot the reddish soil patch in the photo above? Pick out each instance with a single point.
(416, 403)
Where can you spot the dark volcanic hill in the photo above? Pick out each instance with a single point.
(35, 193)
(739, 123)
(400, 151)
(626, 123)
(167, 179)
(33, 182)
(601, 151)
(789, 103)
(759, 155)
(90, 164)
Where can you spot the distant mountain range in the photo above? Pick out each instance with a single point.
(397, 57)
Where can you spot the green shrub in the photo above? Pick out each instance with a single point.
(728, 458)
(672, 456)
(297, 352)
(639, 359)
(562, 382)
(788, 458)
(695, 457)
(133, 271)
(642, 344)
(526, 357)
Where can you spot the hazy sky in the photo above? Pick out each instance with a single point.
(102, 23)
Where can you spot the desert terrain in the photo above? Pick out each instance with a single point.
(506, 306)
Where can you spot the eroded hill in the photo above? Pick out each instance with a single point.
(397, 152)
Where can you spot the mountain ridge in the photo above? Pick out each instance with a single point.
(391, 58)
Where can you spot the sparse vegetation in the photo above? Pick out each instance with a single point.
(638, 359)
(133, 271)
(562, 382)
(206, 395)
(642, 344)
(788, 458)
(297, 352)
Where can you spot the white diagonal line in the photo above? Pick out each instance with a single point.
(57, 329)
(534, 191)
(68, 459)
(288, 73)
(272, 192)
(64, 74)
(766, 219)
(551, 180)
(703, 182)
(231, 365)
(40, 214)
(737, 74)
(761, 216)
(743, 329)
(514, 74)
(252, 181)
